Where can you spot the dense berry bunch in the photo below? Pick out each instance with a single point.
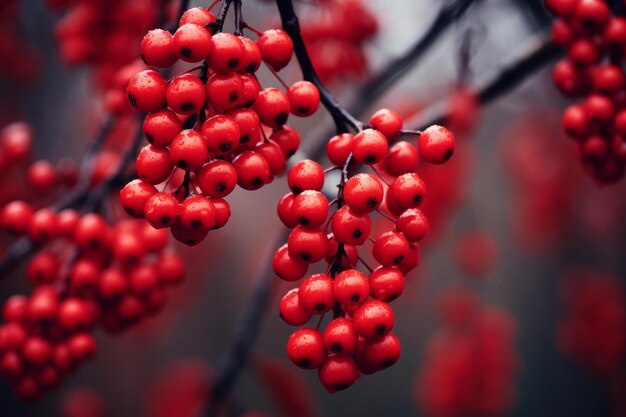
(595, 39)
(593, 328)
(335, 38)
(87, 274)
(470, 364)
(207, 132)
(358, 339)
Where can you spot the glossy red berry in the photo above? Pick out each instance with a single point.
(222, 133)
(41, 175)
(576, 121)
(380, 354)
(162, 210)
(292, 310)
(407, 191)
(251, 58)
(369, 147)
(197, 15)
(274, 156)
(340, 337)
(146, 91)
(228, 50)
(304, 98)
(43, 268)
(276, 48)
(387, 122)
(16, 217)
(413, 224)
(608, 79)
(252, 169)
(373, 319)
(43, 226)
(153, 164)
(134, 195)
(316, 294)
(249, 126)
(436, 144)
(157, 49)
(305, 175)
(224, 92)
(250, 92)
(186, 94)
(350, 227)
(401, 159)
(287, 138)
(308, 245)
(305, 348)
(339, 147)
(198, 213)
(285, 212)
(160, 127)
(217, 178)
(189, 150)
(272, 106)
(192, 42)
(222, 212)
(390, 248)
(338, 373)
(287, 267)
(363, 193)
(351, 288)
(386, 284)
(310, 208)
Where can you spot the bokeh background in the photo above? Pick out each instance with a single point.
(515, 190)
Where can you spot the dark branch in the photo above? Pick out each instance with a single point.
(342, 118)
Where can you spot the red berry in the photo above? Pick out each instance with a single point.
(387, 122)
(285, 212)
(407, 191)
(134, 195)
(251, 57)
(249, 126)
(186, 94)
(338, 373)
(305, 348)
(157, 49)
(276, 48)
(197, 15)
(222, 134)
(436, 144)
(369, 147)
(272, 106)
(339, 147)
(310, 208)
(161, 127)
(292, 310)
(217, 178)
(386, 284)
(43, 268)
(401, 159)
(413, 224)
(224, 92)
(162, 210)
(153, 164)
(373, 319)
(390, 248)
(305, 175)
(304, 98)
(316, 294)
(198, 213)
(228, 50)
(274, 156)
(253, 171)
(363, 193)
(189, 150)
(380, 354)
(146, 91)
(308, 245)
(351, 288)
(287, 138)
(16, 217)
(350, 227)
(192, 42)
(222, 212)
(287, 267)
(340, 337)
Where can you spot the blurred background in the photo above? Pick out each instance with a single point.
(522, 240)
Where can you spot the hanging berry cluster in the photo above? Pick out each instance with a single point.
(470, 363)
(358, 339)
(206, 131)
(595, 40)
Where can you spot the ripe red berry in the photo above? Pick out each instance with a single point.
(16, 217)
(186, 94)
(305, 348)
(373, 319)
(308, 245)
(413, 224)
(287, 267)
(340, 337)
(305, 175)
(576, 121)
(272, 106)
(160, 127)
(43, 268)
(436, 144)
(380, 354)
(134, 195)
(222, 134)
(401, 159)
(251, 57)
(249, 126)
(369, 147)
(276, 48)
(189, 150)
(338, 373)
(43, 226)
(252, 169)
(92, 232)
(146, 91)
(162, 210)
(274, 156)
(224, 92)
(387, 122)
(157, 49)
(192, 42)
(316, 294)
(287, 138)
(304, 98)
(41, 175)
(386, 284)
(350, 227)
(390, 248)
(285, 212)
(608, 78)
(407, 191)
(222, 212)
(351, 288)
(197, 15)
(153, 164)
(251, 90)
(198, 213)
(228, 50)
(291, 309)
(217, 178)
(363, 193)
(310, 208)
(339, 147)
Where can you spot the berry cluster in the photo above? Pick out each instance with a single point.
(593, 329)
(102, 33)
(470, 362)
(358, 339)
(335, 38)
(86, 273)
(207, 132)
(595, 40)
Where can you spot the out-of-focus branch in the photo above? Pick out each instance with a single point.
(396, 68)
(509, 77)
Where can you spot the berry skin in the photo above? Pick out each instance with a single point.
(338, 373)
(304, 98)
(387, 122)
(576, 121)
(307, 245)
(276, 48)
(171, 269)
(249, 126)
(363, 193)
(413, 224)
(390, 248)
(401, 159)
(305, 175)
(310, 208)
(274, 156)
(192, 43)
(252, 169)
(349, 227)
(316, 294)
(43, 226)
(162, 210)
(407, 191)
(43, 268)
(153, 164)
(340, 337)
(224, 92)
(190, 237)
(66, 222)
(291, 309)
(197, 15)
(134, 195)
(222, 134)
(251, 90)
(186, 94)
(600, 108)
(436, 144)
(222, 212)
(36, 350)
(386, 284)
(287, 138)
(272, 106)
(285, 212)
(228, 51)
(43, 305)
(91, 232)
(592, 15)
(339, 147)
(217, 179)
(251, 58)
(157, 49)
(16, 217)
(380, 354)
(161, 127)
(146, 91)
(41, 175)
(351, 288)
(373, 319)
(287, 267)
(189, 150)
(608, 79)
(198, 213)
(74, 315)
(305, 348)
(369, 147)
